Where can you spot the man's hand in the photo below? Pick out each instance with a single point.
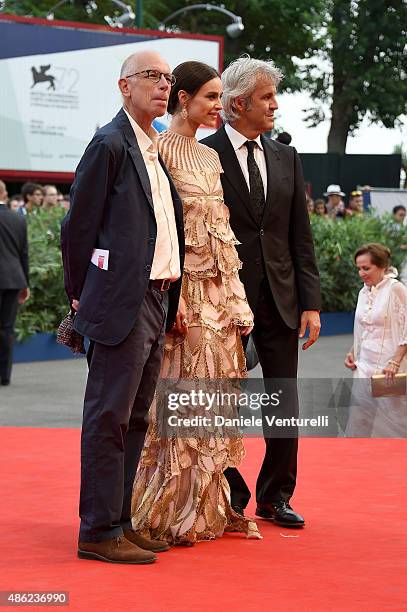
(181, 321)
(75, 304)
(310, 319)
(245, 331)
(350, 361)
(24, 295)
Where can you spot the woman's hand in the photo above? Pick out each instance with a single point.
(390, 369)
(245, 331)
(350, 361)
(181, 321)
(393, 365)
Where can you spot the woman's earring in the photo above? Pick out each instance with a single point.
(184, 113)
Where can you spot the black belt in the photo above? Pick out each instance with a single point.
(162, 284)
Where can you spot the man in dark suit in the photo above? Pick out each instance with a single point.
(123, 249)
(13, 279)
(264, 190)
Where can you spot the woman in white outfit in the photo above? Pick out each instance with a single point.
(380, 346)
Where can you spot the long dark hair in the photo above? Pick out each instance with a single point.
(190, 78)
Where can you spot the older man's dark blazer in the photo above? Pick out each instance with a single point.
(112, 209)
(282, 239)
(13, 250)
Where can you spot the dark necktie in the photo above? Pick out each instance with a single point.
(257, 199)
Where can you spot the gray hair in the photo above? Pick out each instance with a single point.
(240, 79)
(126, 66)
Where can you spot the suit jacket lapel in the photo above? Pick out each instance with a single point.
(136, 155)
(142, 172)
(274, 170)
(233, 171)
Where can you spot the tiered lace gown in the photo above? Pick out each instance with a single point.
(180, 492)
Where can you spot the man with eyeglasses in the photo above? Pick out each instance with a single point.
(123, 249)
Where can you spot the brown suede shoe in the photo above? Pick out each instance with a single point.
(145, 543)
(117, 550)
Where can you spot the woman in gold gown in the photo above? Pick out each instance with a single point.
(180, 492)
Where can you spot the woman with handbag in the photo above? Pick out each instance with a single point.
(378, 357)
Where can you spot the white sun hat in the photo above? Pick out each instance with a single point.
(334, 190)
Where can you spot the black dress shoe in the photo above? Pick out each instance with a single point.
(281, 513)
(4, 382)
(238, 510)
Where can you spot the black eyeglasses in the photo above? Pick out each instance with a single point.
(154, 76)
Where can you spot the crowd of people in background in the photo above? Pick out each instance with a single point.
(14, 257)
(334, 207)
(34, 196)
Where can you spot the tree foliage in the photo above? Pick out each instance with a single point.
(48, 303)
(76, 10)
(283, 30)
(364, 49)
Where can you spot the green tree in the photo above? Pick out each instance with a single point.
(364, 51)
(74, 10)
(281, 29)
(48, 303)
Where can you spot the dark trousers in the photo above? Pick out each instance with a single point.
(8, 314)
(277, 348)
(119, 392)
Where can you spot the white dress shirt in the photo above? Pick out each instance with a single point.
(238, 143)
(166, 263)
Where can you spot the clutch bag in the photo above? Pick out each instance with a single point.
(68, 336)
(383, 387)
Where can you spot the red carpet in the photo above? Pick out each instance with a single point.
(351, 556)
